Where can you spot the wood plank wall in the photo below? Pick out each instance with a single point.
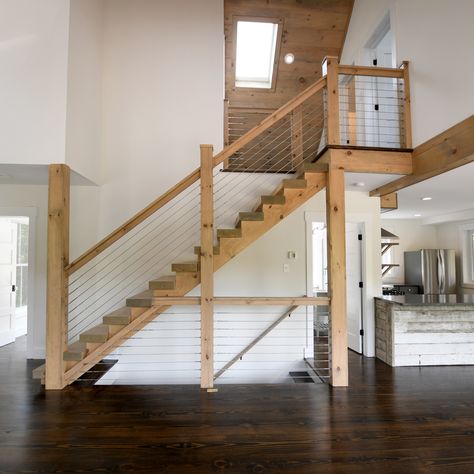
(312, 29)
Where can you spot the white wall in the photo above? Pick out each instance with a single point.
(83, 234)
(33, 80)
(84, 94)
(436, 36)
(163, 96)
(414, 235)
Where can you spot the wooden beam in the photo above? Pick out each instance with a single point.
(226, 129)
(58, 258)
(447, 151)
(331, 69)
(242, 301)
(370, 71)
(369, 161)
(207, 268)
(336, 233)
(389, 202)
(297, 137)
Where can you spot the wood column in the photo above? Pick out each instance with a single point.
(58, 259)
(226, 130)
(297, 137)
(407, 105)
(331, 70)
(207, 268)
(336, 232)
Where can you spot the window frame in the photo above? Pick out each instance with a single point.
(276, 59)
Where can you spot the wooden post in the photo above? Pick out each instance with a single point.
(331, 70)
(407, 103)
(207, 268)
(58, 258)
(336, 232)
(226, 129)
(297, 137)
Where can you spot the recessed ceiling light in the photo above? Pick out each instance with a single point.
(426, 198)
(417, 215)
(289, 58)
(359, 184)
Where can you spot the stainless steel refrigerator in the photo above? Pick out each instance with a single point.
(433, 270)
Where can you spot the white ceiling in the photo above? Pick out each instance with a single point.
(34, 174)
(451, 192)
(370, 180)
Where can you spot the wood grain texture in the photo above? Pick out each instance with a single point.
(331, 68)
(207, 268)
(403, 420)
(312, 29)
(58, 258)
(336, 231)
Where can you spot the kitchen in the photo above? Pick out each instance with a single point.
(426, 313)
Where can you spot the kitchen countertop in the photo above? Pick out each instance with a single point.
(466, 299)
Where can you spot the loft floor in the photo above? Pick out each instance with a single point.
(389, 420)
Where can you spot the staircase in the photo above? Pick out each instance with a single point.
(316, 115)
(292, 193)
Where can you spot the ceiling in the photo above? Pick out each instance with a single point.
(451, 192)
(34, 174)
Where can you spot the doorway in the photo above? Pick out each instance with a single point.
(14, 270)
(318, 275)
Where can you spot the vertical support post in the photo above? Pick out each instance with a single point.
(226, 129)
(297, 137)
(336, 232)
(331, 70)
(207, 268)
(58, 258)
(407, 105)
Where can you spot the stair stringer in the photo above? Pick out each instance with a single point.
(229, 247)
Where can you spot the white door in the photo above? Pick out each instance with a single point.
(354, 292)
(7, 280)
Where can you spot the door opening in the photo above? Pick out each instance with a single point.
(14, 244)
(354, 280)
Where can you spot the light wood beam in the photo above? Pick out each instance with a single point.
(331, 69)
(335, 216)
(207, 268)
(447, 151)
(407, 104)
(369, 161)
(389, 202)
(58, 258)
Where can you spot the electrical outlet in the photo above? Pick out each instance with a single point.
(286, 268)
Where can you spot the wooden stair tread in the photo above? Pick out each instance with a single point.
(120, 317)
(141, 300)
(276, 199)
(197, 250)
(163, 283)
(185, 267)
(250, 217)
(75, 351)
(229, 233)
(97, 334)
(294, 183)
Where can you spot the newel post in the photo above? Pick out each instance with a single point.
(330, 68)
(58, 259)
(207, 268)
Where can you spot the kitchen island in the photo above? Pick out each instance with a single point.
(416, 330)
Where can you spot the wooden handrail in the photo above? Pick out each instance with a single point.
(371, 71)
(193, 177)
(267, 122)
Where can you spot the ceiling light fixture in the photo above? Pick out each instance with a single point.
(359, 184)
(417, 215)
(289, 58)
(426, 198)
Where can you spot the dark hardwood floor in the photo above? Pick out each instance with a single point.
(407, 420)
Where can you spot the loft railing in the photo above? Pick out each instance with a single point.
(97, 282)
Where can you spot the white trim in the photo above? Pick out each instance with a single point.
(7, 338)
(32, 352)
(467, 256)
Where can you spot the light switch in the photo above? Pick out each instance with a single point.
(286, 268)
